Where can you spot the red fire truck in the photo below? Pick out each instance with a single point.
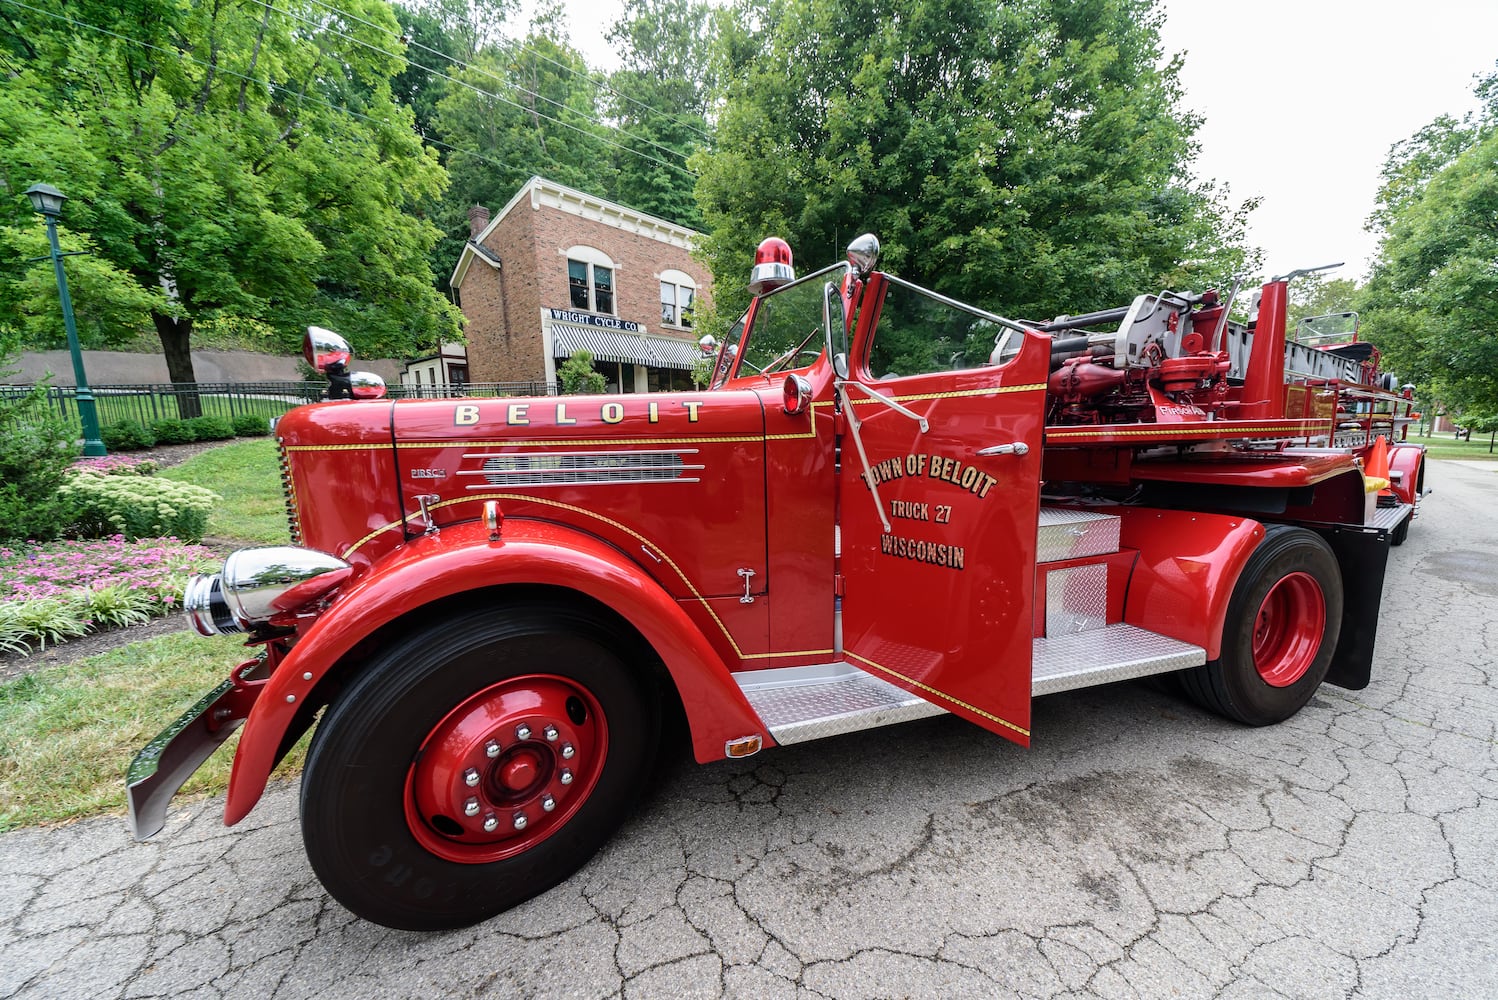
(887, 505)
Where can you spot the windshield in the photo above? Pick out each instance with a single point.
(791, 323)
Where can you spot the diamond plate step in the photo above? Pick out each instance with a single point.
(1105, 655)
(796, 711)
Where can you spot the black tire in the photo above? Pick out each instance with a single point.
(364, 822)
(1295, 563)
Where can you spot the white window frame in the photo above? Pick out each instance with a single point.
(593, 258)
(676, 280)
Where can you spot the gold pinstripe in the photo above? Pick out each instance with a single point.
(628, 531)
(940, 694)
(1181, 430)
(995, 391)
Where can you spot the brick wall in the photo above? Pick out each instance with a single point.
(532, 243)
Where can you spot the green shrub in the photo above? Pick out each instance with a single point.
(211, 428)
(137, 507)
(173, 431)
(36, 448)
(127, 435)
(247, 425)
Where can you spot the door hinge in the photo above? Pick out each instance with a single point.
(748, 575)
(837, 585)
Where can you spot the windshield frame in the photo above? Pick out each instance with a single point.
(745, 339)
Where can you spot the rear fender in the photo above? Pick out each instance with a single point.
(1406, 459)
(1187, 568)
(461, 559)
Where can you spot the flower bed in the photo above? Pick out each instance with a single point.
(64, 589)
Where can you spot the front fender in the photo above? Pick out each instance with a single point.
(461, 559)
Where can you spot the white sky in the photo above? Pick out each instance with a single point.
(1302, 100)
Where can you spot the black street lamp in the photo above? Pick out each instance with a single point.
(47, 201)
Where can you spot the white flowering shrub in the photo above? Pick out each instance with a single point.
(137, 507)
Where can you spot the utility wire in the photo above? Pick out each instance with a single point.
(178, 54)
(300, 95)
(479, 90)
(590, 78)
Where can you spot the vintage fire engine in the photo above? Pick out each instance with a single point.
(887, 505)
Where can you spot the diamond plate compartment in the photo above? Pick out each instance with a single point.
(1076, 599)
(1072, 534)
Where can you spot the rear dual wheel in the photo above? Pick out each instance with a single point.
(473, 765)
(1280, 632)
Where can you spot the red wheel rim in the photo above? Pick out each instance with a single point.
(1288, 629)
(506, 769)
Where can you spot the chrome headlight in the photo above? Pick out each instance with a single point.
(259, 586)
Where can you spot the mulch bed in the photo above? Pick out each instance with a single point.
(14, 665)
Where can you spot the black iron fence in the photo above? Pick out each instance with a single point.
(159, 401)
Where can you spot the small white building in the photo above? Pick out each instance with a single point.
(435, 374)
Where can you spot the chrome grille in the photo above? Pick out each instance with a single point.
(288, 490)
(582, 468)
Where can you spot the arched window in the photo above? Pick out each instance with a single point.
(590, 279)
(678, 291)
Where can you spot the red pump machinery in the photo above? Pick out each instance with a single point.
(887, 505)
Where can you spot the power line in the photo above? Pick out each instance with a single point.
(178, 54)
(487, 93)
(595, 81)
(300, 95)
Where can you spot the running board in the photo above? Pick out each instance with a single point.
(1388, 518)
(1104, 655)
(799, 704)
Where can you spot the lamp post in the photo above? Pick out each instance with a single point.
(47, 201)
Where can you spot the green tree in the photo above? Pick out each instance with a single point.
(1026, 155)
(232, 160)
(578, 375)
(659, 100)
(519, 110)
(1433, 292)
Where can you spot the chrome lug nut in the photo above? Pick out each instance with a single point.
(471, 777)
(548, 803)
(566, 776)
(520, 821)
(491, 748)
(567, 751)
(551, 734)
(490, 823)
(522, 732)
(471, 807)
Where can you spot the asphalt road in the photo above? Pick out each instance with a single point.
(1140, 848)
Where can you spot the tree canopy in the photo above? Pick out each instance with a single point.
(1025, 155)
(1432, 297)
(247, 160)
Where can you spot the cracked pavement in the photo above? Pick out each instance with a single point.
(1141, 848)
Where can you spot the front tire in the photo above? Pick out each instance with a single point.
(1280, 632)
(474, 764)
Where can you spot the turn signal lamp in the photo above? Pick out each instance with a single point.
(772, 266)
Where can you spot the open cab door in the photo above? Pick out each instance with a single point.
(942, 413)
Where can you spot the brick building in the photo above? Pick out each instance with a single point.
(558, 270)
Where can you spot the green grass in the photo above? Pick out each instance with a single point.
(71, 730)
(247, 475)
(1442, 446)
